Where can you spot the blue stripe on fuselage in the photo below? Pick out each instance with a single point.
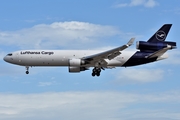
(139, 58)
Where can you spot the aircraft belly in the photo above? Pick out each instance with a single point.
(114, 63)
(121, 59)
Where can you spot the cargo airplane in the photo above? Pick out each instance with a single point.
(81, 60)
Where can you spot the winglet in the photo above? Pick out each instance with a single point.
(130, 42)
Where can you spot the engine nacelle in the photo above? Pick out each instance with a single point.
(76, 62)
(75, 65)
(73, 69)
(153, 46)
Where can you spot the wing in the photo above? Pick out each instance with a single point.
(110, 54)
(159, 52)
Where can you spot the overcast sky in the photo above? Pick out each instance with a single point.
(147, 92)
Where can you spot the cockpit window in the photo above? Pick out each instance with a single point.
(10, 54)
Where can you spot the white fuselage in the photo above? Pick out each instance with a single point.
(60, 57)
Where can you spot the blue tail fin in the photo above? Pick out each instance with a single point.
(157, 41)
(161, 34)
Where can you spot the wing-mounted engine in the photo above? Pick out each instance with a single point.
(73, 69)
(76, 62)
(75, 65)
(154, 46)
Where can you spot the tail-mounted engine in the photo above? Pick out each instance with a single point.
(154, 46)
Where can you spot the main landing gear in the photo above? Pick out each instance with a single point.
(96, 71)
(27, 69)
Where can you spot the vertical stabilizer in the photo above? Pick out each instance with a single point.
(161, 34)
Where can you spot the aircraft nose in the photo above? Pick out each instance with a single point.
(5, 59)
(8, 59)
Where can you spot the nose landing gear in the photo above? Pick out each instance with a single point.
(27, 69)
(96, 71)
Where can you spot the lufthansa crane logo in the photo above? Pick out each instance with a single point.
(161, 35)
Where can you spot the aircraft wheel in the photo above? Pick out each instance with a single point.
(27, 72)
(94, 70)
(98, 73)
(93, 74)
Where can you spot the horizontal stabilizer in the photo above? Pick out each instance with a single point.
(160, 52)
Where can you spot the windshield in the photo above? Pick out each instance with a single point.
(10, 54)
